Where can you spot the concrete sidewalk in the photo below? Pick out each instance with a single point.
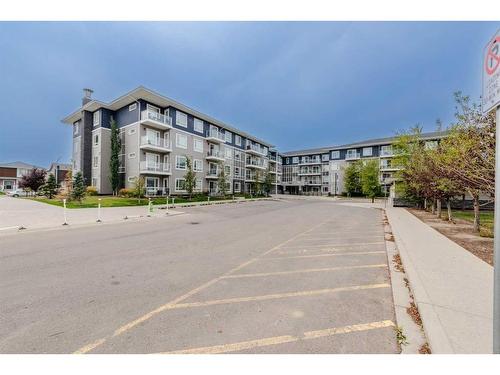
(453, 289)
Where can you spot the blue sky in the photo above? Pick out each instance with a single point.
(294, 84)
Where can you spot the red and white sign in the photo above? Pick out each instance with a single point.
(491, 74)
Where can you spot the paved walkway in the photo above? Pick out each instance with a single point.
(453, 288)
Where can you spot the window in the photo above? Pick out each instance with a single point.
(431, 145)
(197, 165)
(180, 162)
(237, 186)
(237, 140)
(237, 155)
(198, 125)
(229, 153)
(97, 118)
(336, 154)
(96, 161)
(324, 157)
(181, 119)
(96, 139)
(386, 150)
(197, 145)
(180, 184)
(295, 159)
(227, 170)
(131, 178)
(335, 166)
(75, 127)
(131, 131)
(152, 108)
(228, 136)
(367, 151)
(198, 184)
(237, 172)
(94, 181)
(131, 155)
(287, 160)
(181, 140)
(132, 107)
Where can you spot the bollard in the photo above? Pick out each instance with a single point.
(150, 207)
(167, 205)
(64, 211)
(99, 210)
(208, 199)
(173, 202)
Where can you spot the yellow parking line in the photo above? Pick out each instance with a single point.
(89, 347)
(327, 255)
(310, 270)
(310, 335)
(277, 296)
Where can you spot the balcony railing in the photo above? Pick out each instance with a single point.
(146, 166)
(156, 191)
(213, 173)
(386, 152)
(156, 117)
(156, 142)
(352, 155)
(256, 163)
(255, 148)
(310, 161)
(215, 154)
(214, 134)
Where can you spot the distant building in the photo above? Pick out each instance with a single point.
(60, 172)
(11, 173)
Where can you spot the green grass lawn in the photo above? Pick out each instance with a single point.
(110, 201)
(2, 193)
(486, 219)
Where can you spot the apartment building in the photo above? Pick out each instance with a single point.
(11, 174)
(157, 136)
(320, 171)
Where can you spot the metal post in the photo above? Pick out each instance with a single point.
(209, 199)
(150, 208)
(64, 211)
(167, 203)
(99, 210)
(496, 276)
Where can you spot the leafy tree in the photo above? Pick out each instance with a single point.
(49, 189)
(370, 182)
(78, 192)
(114, 161)
(352, 178)
(189, 177)
(222, 180)
(138, 187)
(268, 181)
(33, 179)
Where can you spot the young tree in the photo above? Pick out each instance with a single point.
(78, 192)
(138, 187)
(33, 179)
(50, 187)
(222, 179)
(268, 181)
(352, 181)
(114, 160)
(370, 182)
(189, 177)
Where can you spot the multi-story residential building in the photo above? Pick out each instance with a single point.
(11, 173)
(157, 135)
(320, 171)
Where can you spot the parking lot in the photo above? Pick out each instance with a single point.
(291, 276)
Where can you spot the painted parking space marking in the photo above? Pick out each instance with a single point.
(336, 245)
(309, 335)
(327, 255)
(310, 270)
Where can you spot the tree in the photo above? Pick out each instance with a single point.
(114, 161)
(33, 179)
(189, 177)
(49, 189)
(222, 179)
(78, 192)
(352, 180)
(370, 182)
(138, 187)
(268, 181)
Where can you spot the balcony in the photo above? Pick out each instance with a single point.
(310, 161)
(156, 191)
(312, 182)
(310, 172)
(272, 158)
(155, 144)
(215, 136)
(386, 152)
(215, 155)
(146, 167)
(352, 155)
(156, 120)
(255, 150)
(255, 163)
(212, 174)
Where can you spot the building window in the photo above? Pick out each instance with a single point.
(335, 166)
(75, 128)
(97, 118)
(152, 108)
(94, 181)
(237, 140)
(180, 184)
(198, 184)
(324, 157)
(132, 107)
(198, 125)
(386, 150)
(367, 151)
(181, 140)
(197, 165)
(96, 139)
(237, 187)
(197, 145)
(431, 145)
(229, 153)
(181, 119)
(336, 154)
(228, 136)
(131, 178)
(96, 161)
(180, 162)
(237, 172)
(131, 155)
(295, 159)
(131, 131)
(227, 170)
(237, 155)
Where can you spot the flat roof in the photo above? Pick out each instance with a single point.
(153, 97)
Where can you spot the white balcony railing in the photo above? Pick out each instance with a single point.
(215, 134)
(352, 155)
(156, 142)
(146, 166)
(256, 163)
(157, 117)
(386, 152)
(215, 154)
(156, 191)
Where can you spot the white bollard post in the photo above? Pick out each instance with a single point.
(150, 209)
(208, 200)
(64, 211)
(99, 210)
(173, 202)
(167, 205)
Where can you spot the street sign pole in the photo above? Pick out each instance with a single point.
(496, 262)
